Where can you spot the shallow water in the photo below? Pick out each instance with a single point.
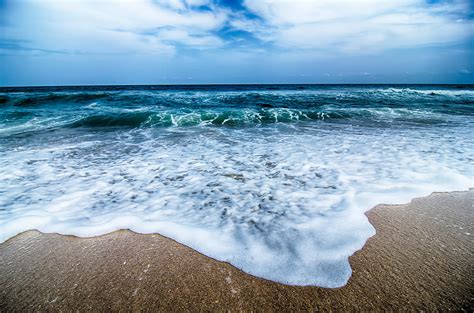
(274, 179)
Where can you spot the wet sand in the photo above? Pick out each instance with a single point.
(422, 258)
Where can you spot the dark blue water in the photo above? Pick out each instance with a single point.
(36, 109)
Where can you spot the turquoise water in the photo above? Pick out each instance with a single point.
(274, 179)
(33, 109)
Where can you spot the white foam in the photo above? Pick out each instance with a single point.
(440, 92)
(282, 202)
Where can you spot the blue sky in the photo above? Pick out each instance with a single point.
(69, 42)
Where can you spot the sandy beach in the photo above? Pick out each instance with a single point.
(422, 258)
(223, 155)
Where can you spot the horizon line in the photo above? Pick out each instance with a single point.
(230, 84)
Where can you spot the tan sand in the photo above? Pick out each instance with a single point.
(421, 258)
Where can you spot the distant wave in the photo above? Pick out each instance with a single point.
(38, 100)
(431, 92)
(268, 97)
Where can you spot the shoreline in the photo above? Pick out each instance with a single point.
(420, 258)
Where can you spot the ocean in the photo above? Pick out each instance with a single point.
(274, 179)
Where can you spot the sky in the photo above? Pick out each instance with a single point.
(108, 42)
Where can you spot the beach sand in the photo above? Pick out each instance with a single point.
(421, 258)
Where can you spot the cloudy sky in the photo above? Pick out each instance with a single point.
(70, 42)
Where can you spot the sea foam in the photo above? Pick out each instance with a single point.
(282, 203)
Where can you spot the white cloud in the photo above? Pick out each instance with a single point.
(159, 26)
(121, 26)
(359, 26)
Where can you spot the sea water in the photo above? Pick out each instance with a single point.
(274, 179)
